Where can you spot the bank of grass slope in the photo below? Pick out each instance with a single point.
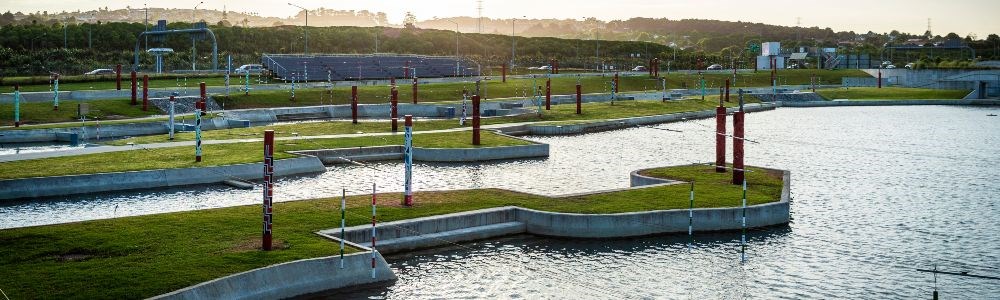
(594, 111)
(42, 112)
(891, 93)
(227, 154)
(144, 256)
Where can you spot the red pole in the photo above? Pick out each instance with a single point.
(395, 111)
(579, 99)
(557, 66)
(414, 90)
(720, 139)
(134, 84)
(727, 90)
(475, 120)
(354, 104)
(268, 187)
(145, 92)
(879, 77)
(406, 70)
(204, 98)
(738, 119)
(17, 98)
(548, 94)
(617, 84)
(504, 72)
(118, 77)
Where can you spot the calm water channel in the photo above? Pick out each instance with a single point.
(877, 192)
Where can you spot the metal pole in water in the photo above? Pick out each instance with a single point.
(268, 188)
(743, 238)
(475, 119)
(373, 230)
(354, 104)
(691, 219)
(343, 224)
(408, 160)
(548, 94)
(394, 106)
(579, 97)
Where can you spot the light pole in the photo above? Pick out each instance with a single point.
(306, 28)
(194, 20)
(457, 66)
(512, 43)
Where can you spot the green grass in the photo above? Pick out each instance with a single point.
(144, 256)
(565, 113)
(446, 92)
(890, 93)
(107, 82)
(228, 154)
(41, 112)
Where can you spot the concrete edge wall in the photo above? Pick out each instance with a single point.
(291, 279)
(635, 121)
(106, 182)
(889, 103)
(439, 230)
(338, 156)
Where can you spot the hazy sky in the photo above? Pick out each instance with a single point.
(959, 16)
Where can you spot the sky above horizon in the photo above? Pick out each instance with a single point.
(959, 16)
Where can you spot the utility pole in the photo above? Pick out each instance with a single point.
(306, 29)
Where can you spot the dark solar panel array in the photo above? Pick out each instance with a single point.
(362, 67)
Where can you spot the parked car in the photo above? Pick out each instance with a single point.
(252, 69)
(909, 66)
(100, 72)
(890, 67)
(792, 66)
(545, 67)
(639, 69)
(714, 67)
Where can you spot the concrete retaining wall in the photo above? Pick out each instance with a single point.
(487, 223)
(888, 103)
(346, 155)
(111, 131)
(636, 121)
(104, 182)
(290, 279)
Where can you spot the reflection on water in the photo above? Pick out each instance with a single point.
(877, 192)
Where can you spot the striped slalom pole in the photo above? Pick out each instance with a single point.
(246, 85)
(268, 189)
(17, 105)
(293, 88)
(170, 119)
(691, 219)
(373, 230)
(743, 238)
(343, 223)
(55, 96)
(408, 161)
(197, 135)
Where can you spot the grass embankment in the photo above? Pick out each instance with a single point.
(227, 154)
(440, 92)
(139, 257)
(107, 82)
(890, 93)
(594, 111)
(41, 112)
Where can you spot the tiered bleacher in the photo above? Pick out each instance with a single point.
(336, 67)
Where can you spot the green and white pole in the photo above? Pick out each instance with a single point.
(17, 105)
(343, 223)
(691, 219)
(55, 94)
(197, 135)
(743, 238)
(246, 85)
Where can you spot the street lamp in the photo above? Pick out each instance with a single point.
(512, 43)
(306, 28)
(194, 19)
(457, 66)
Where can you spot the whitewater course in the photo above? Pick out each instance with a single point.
(883, 188)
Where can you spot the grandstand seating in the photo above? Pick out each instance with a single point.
(358, 67)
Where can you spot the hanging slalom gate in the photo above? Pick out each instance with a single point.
(356, 67)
